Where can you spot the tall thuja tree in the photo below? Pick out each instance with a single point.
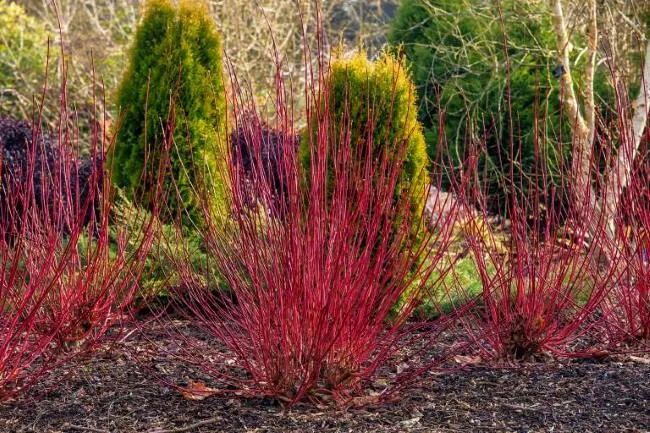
(492, 69)
(174, 83)
(378, 100)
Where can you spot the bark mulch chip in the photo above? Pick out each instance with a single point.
(111, 393)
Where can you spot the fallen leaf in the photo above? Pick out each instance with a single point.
(197, 391)
(639, 359)
(467, 360)
(381, 383)
(410, 423)
(365, 400)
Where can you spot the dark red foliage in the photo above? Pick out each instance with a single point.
(271, 149)
(28, 156)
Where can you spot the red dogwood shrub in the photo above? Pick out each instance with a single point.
(313, 278)
(628, 305)
(627, 308)
(66, 275)
(543, 276)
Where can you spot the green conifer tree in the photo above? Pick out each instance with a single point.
(176, 59)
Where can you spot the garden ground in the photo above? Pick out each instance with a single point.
(114, 393)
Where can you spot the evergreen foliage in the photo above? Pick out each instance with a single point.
(379, 98)
(457, 54)
(175, 66)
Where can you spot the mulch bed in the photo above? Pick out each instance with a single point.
(113, 393)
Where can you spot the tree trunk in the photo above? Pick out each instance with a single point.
(600, 213)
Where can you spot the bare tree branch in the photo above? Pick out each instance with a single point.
(590, 70)
(582, 146)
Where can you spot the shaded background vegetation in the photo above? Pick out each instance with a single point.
(454, 48)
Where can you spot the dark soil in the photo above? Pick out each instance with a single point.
(114, 393)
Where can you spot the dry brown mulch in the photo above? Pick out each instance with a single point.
(113, 393)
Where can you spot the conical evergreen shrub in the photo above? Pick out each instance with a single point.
(175, 67)
(379, 100)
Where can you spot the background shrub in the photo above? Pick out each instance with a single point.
(378, 99)
(272, 141)
(17, 146)
(176, 56)
(23, 52)
(457, 54)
